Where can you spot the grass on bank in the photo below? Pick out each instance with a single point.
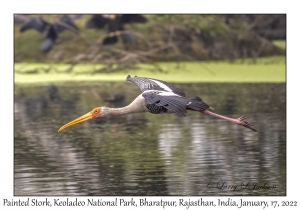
(270, 69)
(280, 43)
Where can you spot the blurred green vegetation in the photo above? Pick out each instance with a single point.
(206, 48)
(196, 32)
(280, 43)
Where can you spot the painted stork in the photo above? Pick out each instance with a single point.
(157, 97)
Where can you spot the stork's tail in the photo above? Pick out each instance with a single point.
(196, 104)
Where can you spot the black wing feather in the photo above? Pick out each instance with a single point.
(65, 20)
(149, 84)
(110, 40)
(36, 23)
(174, 103)
(133, 18)
(97, 21)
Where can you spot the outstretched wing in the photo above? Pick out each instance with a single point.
(65, 23)
(167, 100)
(36, 23)
(97, 21)
(133, 18)
(153, 84)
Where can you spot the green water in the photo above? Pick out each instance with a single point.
(269, 69)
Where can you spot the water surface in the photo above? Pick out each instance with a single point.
(145, 154)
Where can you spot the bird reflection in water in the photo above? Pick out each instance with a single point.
(36, 107)
(65, 105)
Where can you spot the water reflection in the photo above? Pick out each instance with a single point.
(144, 154)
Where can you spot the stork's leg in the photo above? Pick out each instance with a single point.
(240, 121)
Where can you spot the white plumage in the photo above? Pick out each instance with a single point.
(158, 97)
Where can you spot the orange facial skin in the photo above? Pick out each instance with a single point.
(95, 113)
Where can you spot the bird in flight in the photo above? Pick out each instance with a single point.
(115, 25)
(158, 97)
(53, 30)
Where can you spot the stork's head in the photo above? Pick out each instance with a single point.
(95, 113)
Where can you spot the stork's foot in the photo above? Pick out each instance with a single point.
(242, 121)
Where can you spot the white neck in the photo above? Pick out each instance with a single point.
(138, 105)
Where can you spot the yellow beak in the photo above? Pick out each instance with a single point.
(81, 119)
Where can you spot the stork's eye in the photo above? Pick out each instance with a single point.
(96, 111)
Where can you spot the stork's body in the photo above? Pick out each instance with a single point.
(158, 97)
